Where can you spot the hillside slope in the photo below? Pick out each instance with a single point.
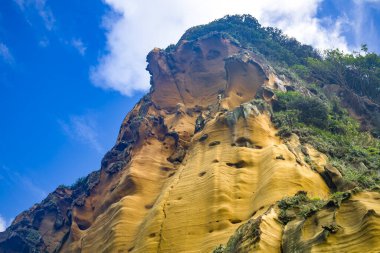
(232, 150)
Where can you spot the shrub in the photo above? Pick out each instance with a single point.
(219, 249)
(329, 129)
(79, 182)
(267, 41)
(308, 110)
(301, 70)
(298, 206)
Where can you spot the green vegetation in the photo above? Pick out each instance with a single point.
(79, 182)
(360, 175)
(298, 108)
(300, 205)
(329, 128)
(249, 233)
(358, 71)
(315, 119)
(268, 41)
(219, 249)
(338, 197)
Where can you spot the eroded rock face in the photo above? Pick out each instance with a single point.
(195, 159)
(348, 226)
(200, 70)
(43, 227)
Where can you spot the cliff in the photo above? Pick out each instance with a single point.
(202, 164)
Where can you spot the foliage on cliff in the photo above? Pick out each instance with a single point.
(359, 71)
(268, 41)
(159, 163)
(328, 127)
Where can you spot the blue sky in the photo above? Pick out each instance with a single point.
(71, 70)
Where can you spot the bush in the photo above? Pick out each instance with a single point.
(298, 206)
(267, 41)
(329, 129)
(79, 182)
(359, 175)
(308, 110)
(219, 249)
(301, 70)
(356, 71)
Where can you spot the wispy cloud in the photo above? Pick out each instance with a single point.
(137, 26)
(3, 224)
(44, 42)
(41, 8)
(5, 54)
(363, 23)
(83, 129)
(79, 46)
(13, 177)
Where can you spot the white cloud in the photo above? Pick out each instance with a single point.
(42, 9)
(141, 25)
(3, 224)
(83, 129)
(363, 24)
(5, 54)
(79, 46)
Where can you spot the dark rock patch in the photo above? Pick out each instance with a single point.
(203, 137)
(201, 174)
(199, 124)
(214, 143)
(238, 165)
(178, 155)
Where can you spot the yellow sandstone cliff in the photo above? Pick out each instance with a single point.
(231, 171)
(198, 164)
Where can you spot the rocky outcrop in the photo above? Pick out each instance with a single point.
(197, 164)
(348, 223)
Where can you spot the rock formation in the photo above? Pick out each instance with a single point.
(198, 166)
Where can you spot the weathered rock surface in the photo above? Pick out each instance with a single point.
(196, 160)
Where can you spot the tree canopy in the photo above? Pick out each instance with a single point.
(268, 41)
